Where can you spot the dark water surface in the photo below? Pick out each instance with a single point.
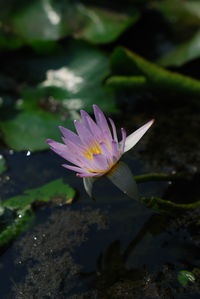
(94, 249)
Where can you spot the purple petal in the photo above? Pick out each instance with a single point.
(84, 133)
(106, 152)
(102, 122)
(74, 168)
(123, 140)
(84, 175)
(57, 146)
(113, 129)
(91, 125)
(100, 162)
(132, 139)
(74, 148)
(69, 135)
(63, 151)
(84, 116)
(115, 151)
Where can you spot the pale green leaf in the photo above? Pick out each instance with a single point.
(183, 53)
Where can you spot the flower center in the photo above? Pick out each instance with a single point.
(94, 149)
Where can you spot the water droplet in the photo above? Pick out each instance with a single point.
(28, 153)
(11, 152)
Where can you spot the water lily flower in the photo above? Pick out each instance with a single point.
(95, 151)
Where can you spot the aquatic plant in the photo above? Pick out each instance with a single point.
(96, 151)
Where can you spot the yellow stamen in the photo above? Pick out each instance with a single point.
(94, 149)
(96, 171)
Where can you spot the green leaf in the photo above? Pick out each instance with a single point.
(182, 54)
(41, 22)
(73, 82)
(9, 40)
(29, 130)
(180, 13)
(18, 212)
(127, 81)
(45, 193)
(21, 222)
(102, 26)
(3, 165)
(184, 277)
(152, 77)
(44, 46)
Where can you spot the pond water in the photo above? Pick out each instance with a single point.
(112, 247)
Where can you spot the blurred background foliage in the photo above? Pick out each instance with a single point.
(60, 56)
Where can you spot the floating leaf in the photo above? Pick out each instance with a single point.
(102, 26)
(39, 20)
(184, 277)
(19, 211)
(29, 130)
(182, 54)
(73, 82)
(44, 193)
(39, 23)
(126, 65)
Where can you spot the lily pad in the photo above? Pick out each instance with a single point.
(44, 193)
(102, 26)
(126, 65)
(183, 53)
(73, 82)
(29, 130)
(40, 22)
(20, 207)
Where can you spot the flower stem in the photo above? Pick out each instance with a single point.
(158, 177)
(162, 204)
(167, 205)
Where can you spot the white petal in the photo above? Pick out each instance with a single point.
(123, 178)
(88, 184)
(132, 139)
